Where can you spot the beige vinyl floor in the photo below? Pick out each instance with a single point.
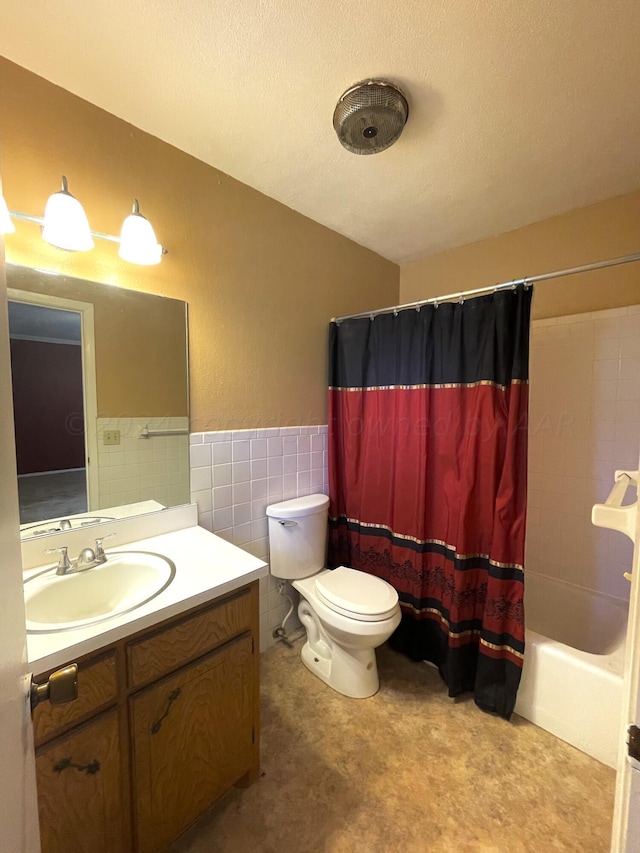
(407, 770)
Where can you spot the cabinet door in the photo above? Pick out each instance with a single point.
(78, 778)
(191, 739)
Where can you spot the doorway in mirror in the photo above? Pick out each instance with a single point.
(49, 409)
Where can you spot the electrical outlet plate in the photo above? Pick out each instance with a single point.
(111, 436)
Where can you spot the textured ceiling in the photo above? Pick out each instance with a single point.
(518, 110)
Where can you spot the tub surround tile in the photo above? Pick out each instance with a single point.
(584, 423)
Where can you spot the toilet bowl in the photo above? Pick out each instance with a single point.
(346, 613)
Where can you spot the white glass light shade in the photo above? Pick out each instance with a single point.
(6, 225)
(138, 243)
(65, 222)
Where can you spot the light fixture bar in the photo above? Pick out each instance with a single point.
(39, 220)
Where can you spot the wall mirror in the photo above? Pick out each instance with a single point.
(100, 392)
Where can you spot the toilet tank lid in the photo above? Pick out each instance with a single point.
(298, 507)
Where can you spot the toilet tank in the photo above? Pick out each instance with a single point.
(298, 536)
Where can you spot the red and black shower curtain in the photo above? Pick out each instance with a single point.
(427, 474)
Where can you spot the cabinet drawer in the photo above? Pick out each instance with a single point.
(97, 686)
(188, 639)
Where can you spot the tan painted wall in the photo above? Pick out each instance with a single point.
(261, 281)
(606, 230)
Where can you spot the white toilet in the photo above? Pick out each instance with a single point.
(347, 614)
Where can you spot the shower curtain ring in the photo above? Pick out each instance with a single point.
(435, 303)
(461, 299)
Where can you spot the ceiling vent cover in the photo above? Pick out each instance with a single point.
(370, 116)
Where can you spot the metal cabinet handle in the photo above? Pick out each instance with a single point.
(288, 523)
(60, 687)
(90, 769)
(155, 727)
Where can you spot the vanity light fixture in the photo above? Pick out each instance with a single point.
(65, 222)
(66, 226)
(6, 225)
(138, 243)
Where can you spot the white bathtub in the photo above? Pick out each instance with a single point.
(573, 664)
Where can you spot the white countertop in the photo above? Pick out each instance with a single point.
(37, 528)
(206, 567)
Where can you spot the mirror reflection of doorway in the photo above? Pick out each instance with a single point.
(48, 402)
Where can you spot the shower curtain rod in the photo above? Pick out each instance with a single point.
(462, 295)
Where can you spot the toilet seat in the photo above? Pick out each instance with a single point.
(357, 594)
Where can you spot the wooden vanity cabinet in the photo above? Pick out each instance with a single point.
(185, 759)
(166, 721)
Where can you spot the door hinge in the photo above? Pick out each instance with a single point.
(253, 645)
(253, 734)
(633, 744)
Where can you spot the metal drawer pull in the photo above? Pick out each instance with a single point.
(155, 728)
(288, 523)
(90, 769)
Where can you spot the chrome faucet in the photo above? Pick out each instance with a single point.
(64, 563)
(88, 558)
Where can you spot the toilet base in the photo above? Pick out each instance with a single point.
(352, 672)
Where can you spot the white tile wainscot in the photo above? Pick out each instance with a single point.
(143, 469)
(236, 474)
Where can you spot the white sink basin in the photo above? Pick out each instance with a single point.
(127, 580)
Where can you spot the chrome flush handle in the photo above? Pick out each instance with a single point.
(287, 523)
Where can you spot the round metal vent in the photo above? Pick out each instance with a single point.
(370, 116)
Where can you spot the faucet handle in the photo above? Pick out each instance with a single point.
(64, 564)
(99, 549)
